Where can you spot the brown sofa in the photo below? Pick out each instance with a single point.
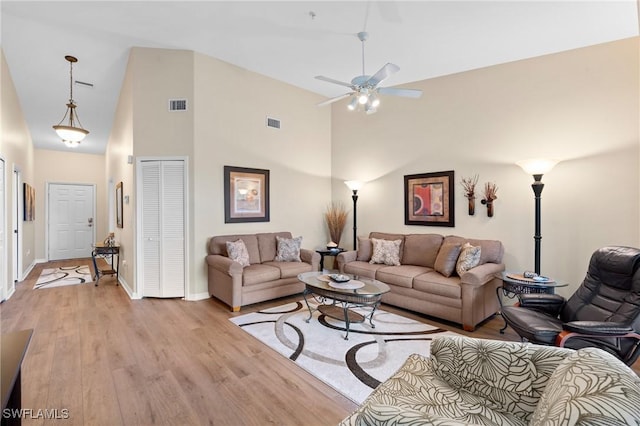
(416, 285)
(263, 279)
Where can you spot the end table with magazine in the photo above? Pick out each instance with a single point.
(514, 283)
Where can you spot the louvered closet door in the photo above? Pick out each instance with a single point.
(163, 238)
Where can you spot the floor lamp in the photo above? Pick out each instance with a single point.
(354, 186)
(537, 167)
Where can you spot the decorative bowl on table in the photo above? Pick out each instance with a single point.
(339, 278)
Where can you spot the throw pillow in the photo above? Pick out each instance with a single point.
(386, 252)
(447, 258)
(288, 249)
(469, 258)
(365, 248)
(237, 252)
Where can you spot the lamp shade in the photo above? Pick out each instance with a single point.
(69, 133)
(354, 185)
(537, 166)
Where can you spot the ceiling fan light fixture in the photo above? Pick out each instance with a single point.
(374, 101)
(353, 104)
(363, 96)
(69, 132)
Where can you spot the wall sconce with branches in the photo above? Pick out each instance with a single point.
(490, 191)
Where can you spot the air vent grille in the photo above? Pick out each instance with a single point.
(177, 104)
(273, 122)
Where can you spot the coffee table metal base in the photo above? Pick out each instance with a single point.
(341, 310)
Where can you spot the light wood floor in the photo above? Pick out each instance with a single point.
(110, 360)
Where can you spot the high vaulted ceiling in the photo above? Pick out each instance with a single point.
(291, 41)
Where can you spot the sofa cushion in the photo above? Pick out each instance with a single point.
(591, 386)
(267, 244)
(469, 258)
(389, 237)
(447, 258)
(288, 249)
(363, 269)
(421, 249)
(237, 251)
(400, 275)
(218, 245)
(387, 252)
(435, 283)
(365, 249)
(290, 269)
(491, 250)
(259, 273)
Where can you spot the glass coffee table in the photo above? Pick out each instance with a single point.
(337, 300)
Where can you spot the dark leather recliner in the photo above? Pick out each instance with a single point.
(604, 312)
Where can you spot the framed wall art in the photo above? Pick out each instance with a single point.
(29, 194)
(429, 200)
(119, 222)
(246, 195)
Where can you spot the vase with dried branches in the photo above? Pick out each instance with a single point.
(469, 185)
(336, 218)
(490, 191)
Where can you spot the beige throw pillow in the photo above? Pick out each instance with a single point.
(288, 249)
(469, 258)
(237, 252)
(447, 258)
(365, 248)
(386, 252)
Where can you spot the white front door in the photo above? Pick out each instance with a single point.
(71, 220)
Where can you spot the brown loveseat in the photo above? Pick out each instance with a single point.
(264, 279)
(416, 284)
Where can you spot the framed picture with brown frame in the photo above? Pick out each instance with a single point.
(119, 221)
(29, 194)
(429, 200)
(246, 195)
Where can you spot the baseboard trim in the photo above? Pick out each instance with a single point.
(132, 294)
(197, 296)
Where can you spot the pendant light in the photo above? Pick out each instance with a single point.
(71, 134)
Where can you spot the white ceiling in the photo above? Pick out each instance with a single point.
(281, 40)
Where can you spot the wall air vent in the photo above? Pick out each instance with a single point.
(177, 104)
(273, 122)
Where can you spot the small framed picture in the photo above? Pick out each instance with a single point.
(429, 200)
(246, 195)
(119, 222)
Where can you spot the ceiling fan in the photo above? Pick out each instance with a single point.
(364, 88)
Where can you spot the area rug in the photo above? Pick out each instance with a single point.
(353, 367)
(67, 275)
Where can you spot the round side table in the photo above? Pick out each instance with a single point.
(511, 287)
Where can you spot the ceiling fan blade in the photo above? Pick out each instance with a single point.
(336, 99)
(382, 74)
(407, 93)
(331, 80)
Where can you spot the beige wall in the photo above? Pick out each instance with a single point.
(231, 106)
(224, 125)
(117, 169)
(16, 149)
(67, 167)
(580, 106)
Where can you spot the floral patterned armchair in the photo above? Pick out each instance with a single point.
(487, 382)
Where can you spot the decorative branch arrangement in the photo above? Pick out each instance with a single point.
(469, 185)
(490, 191)
(336, 218)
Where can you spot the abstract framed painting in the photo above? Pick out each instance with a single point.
(429, 200)
(246, 195)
